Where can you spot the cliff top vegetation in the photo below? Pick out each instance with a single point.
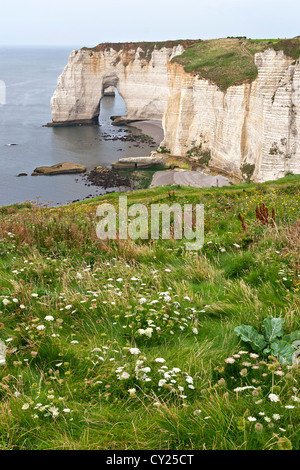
(230, 61)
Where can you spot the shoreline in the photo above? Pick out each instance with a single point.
(152, 128)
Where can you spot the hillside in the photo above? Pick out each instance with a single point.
(124, 345)
(230, 61)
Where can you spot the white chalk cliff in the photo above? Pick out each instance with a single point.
(254, 124)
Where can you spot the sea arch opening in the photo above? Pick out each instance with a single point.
(112, 103)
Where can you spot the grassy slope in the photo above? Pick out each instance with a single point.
(94, 291)
(230, 61)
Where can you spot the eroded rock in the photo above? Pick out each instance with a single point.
(59, 169)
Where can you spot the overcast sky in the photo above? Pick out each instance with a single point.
(88, 22)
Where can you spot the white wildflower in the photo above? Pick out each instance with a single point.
(273, 397)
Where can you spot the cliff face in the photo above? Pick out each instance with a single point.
(252, 129)
(141, 81)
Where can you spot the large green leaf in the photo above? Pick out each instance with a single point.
(249, 334)
(283, 351)
(292, 336)
(273, 328)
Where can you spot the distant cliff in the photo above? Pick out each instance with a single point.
(238, 111)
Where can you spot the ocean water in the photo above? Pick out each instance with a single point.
(30, 76)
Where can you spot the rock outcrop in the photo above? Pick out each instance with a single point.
(250, 130)
(59, 169)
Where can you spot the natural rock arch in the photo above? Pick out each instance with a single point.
(238, 127)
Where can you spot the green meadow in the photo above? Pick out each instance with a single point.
(122, 344)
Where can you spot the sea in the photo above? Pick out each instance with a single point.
(28, 77)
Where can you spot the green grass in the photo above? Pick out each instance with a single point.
(230, 61)
(62, 385)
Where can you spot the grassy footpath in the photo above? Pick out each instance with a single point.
(123, 345)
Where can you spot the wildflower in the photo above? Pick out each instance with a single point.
(49, 318)
(276, 416)
(134, 351)
(148, 332)
(258, 427)
(289, 407)
(25, 406)
(34, 295)
(66, 410)
(54, 411)
(251, 418)
(273, 397)
(124, 375)
(160, 359)
(161, 382)
(5, 301)
(40, 327)
(230, 360)
(132, 392)
(195, 331)
(240, 389)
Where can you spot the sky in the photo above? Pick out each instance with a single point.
(81, 23)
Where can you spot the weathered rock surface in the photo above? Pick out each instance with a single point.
(59, 169)
(109, 91)
(252, 129)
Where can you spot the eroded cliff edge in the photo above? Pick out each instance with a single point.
(251, 129)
